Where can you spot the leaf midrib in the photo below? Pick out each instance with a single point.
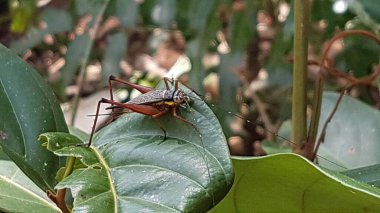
(107, 169)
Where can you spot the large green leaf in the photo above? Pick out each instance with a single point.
(131, 168)
(290, 183)
(16, 198)
(352, 137)
(28, 108)
(19, 194)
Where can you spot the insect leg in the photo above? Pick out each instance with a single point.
(175, 85)
(182, 119)
(142, 89)
(95, 121)
(160, 114)
(166, 80)
(111, 95)
(143, 109)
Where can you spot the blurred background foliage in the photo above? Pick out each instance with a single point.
(240, 52)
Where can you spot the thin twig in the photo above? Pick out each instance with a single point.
(322, 136)
(313, 129)
(92, 34)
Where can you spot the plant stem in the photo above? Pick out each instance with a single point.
(92, 32)
(301, 17)
(59, 197)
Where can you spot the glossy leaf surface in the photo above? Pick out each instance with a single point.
(368, 174)
(290, 183)
(28, 108)
(352, 137)
(19, 194)
(16, 198)
(131, 168)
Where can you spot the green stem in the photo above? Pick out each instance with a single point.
(92, 32)
(59, 197)
(69, 166)
(301, 17)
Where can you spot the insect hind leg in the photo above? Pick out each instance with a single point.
(94, 124)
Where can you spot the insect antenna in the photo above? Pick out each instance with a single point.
(104, 114)
(256, 123)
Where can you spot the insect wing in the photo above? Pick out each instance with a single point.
(151, 97)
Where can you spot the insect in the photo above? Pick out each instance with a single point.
(151, 102)
(156, 103)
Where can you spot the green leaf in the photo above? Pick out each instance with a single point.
(359, 56)
(367, 12)
(163, 13)
(22, 14)
(369, 174)
(57, 140)
(114, 53)
(28, 108)
(146, 8)
(136, 170)
(56, 21)
(322, 10)
(127, 12)
(372, 8)
(352, 137)
(230, 82)
(9, 170)
(93, 8)
(246, 20)
(369, 8)
(76, 54)
(290, 183)
(197, 18)
(16, 198)
(3, 156)
(228, 88)
(27, 195)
